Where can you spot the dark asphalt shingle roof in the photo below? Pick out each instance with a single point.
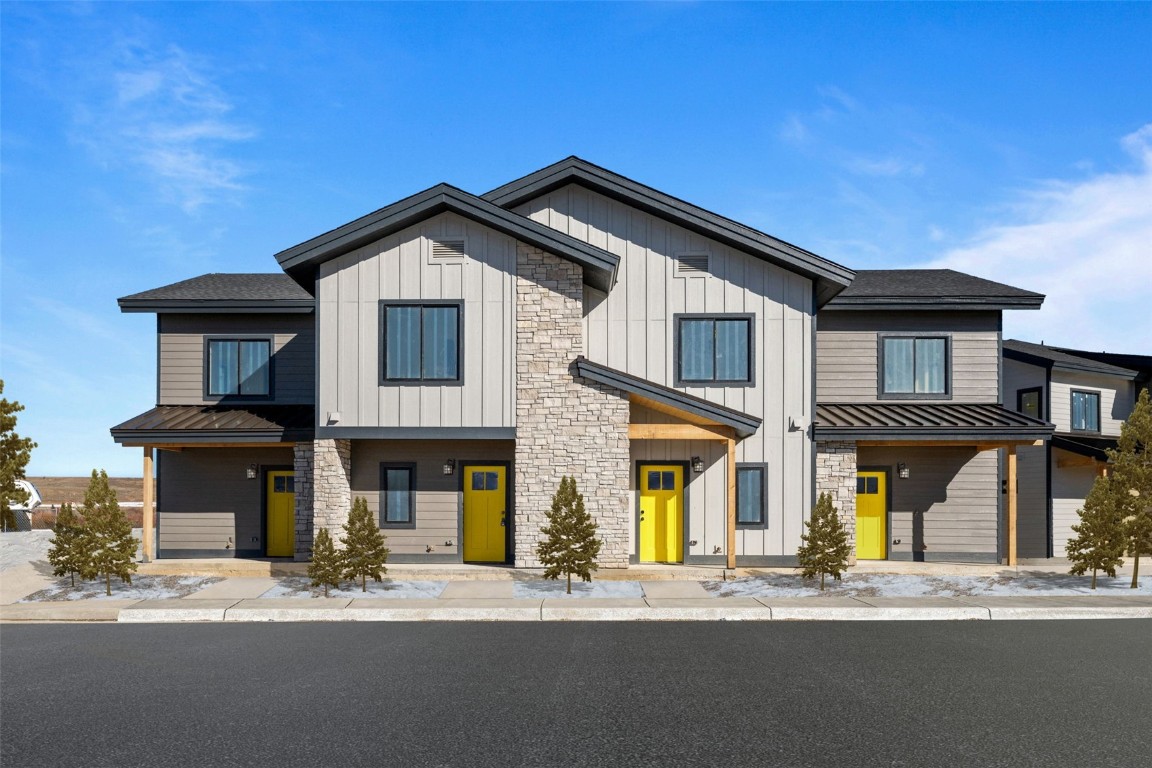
(928, 420)
(220, 286)
(1027, 352)
(945, 287)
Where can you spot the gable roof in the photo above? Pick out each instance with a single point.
(224, 292)
(931, 289)
(1050, 357)
(300, 261)
(830, 278)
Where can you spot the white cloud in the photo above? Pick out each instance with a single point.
(158, 112)
(1086, 245)
(884, 166)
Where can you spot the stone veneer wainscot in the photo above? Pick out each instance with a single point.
(323, 490)
(565, 425)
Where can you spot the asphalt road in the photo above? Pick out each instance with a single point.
(1038, 693)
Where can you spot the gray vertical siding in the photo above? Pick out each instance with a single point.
(438, 498)
(847, 347)
(181, 354)
(204, 498)
(947, 509)
(632, 328)
(400, 267)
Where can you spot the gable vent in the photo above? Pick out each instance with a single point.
(443, 250)
(688, 264)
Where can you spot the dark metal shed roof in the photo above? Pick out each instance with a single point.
(743, 423)
(224, 292)
(218, 423)
(931, 289)
(926, 421)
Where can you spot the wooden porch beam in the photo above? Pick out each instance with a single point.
(731, 523)
(1012, 505)
(149, 522)
(679, 432)
(979, 446)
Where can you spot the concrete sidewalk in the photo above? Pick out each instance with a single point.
(241, 599)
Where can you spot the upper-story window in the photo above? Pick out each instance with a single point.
(421, 342)
(914, 366)
(1030, 402)
(1085, 411)
(714, 350)
(239, 367)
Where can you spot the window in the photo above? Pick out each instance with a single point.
(716, 351)
(1028, 402)
(914, 365)
(239, 367)
(750, 495)
(397, 495)
(421, 342)
(1085, 411)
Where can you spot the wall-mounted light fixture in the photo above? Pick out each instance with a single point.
(697, 464)
(902, 471)
(449, 466)
(250, 473)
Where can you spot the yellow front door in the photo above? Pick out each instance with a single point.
(661, 513)
(281, 514)
(485, 514)
(871, 515)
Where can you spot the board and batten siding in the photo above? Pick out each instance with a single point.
(948, 509)
(182, 356)
(632, 328)
(847, 347)
(438, 496)
(1116, 399)
(400, 267)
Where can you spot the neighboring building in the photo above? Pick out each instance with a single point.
(1087, 396)
(910, 423)
(450, 357)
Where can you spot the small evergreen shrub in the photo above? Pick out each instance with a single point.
(570, 545)
(825, 549)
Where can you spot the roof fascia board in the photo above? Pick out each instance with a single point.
(832, 276)
(933, 303)
(208, 306)
(744, 424)
(121, 436)
(929, 433)
(599, 265)
(1063, 365)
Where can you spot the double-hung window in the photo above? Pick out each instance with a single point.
(750, 494)
(397, 495)
(714, 350)
(1085, 411)
(239, 368)
(421, 342)
(914, 365)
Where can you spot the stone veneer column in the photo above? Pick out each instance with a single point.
(565, 425)
(836, 475)
(323, 490)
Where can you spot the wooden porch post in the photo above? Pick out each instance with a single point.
(731, 503)
(1012, 502)
(149, 521)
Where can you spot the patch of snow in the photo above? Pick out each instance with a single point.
(547, 588)
(141, 588)
(299, 586)
(910, 585)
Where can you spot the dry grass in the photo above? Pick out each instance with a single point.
(57, 490)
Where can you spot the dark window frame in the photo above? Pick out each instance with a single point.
(881, 394)
(1071, 410)
(209, 395)
(383, 499)
(680, 381)
(1039, 391)
(762, 524)
(383, 345)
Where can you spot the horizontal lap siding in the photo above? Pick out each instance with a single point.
(1032, 509)
(199, 488)
(847, 347)
(954, 492)
(182, 356)
(1070, 485)
(438, 495)
(350, 289)
(633, 329)
(1116, 399)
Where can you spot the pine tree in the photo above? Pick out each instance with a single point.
(825, 549)
(1099, 541)
(69, 551)
(112, 548)
(364, 551)
(327, 566)
(570, 546)
(15, 453)
(1130, 466)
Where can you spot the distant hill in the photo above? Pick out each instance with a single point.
(57, 490)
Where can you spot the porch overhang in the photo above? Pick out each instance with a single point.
(1093, 449)
(217, 426)
(985, 425)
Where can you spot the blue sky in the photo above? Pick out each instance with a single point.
(142, 144)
